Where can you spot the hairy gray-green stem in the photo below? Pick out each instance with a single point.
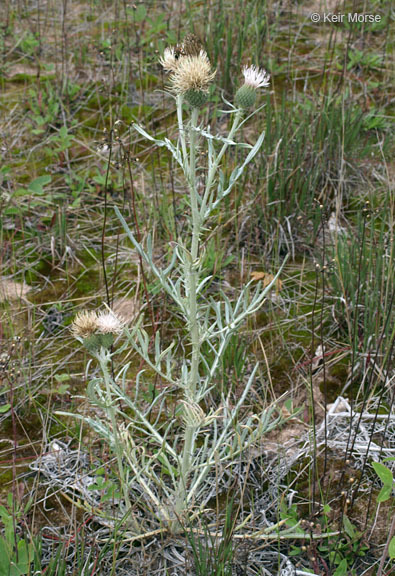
(103, 359)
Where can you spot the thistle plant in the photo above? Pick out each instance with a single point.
(201, 438)
(96, 332)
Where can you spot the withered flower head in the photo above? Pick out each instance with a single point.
(85, 324)
(97, 331)
(190, 70)
(169, 60)
(108, 323)
(192, 73)
(191, 46)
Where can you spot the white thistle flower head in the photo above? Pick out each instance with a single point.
(192, 73)
(85, 324)
(108, 323)
(256, 77)
(169, 60)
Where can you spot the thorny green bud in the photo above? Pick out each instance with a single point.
(254, 78)
(196, 98)
(245, 97)
(96, 341)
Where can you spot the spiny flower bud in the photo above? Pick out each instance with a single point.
(245, 97)
(97, 341)
(254, 78)
(85, 324)
(196, 98)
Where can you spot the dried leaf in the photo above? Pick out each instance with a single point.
(266, 279)
(126, 309)
(10, 290)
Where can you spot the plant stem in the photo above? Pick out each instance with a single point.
(181, 130)
(181, 497)
(103, 360)
(191, 282)
(193, 271)
(214, 167)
